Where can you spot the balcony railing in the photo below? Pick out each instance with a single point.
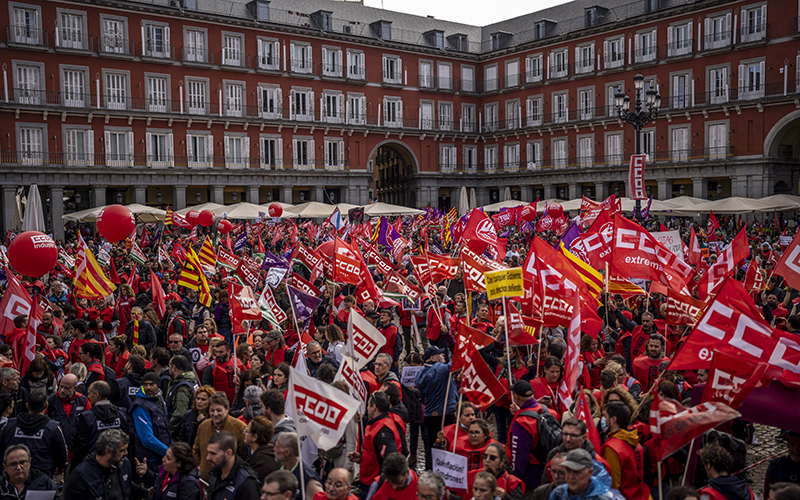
(26, 35)
(197, 56)
(533, 77)
(157, 51)
(717, 40)
(331, 70)
(680, 48)
(753, 33)
(614, 60)
(646, 54)
(114, 45)
(356, 73)
(235, 60)
(71, 39)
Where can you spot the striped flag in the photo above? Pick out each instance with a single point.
(135, 328)
(592, 278)
(207, 257)
(137, 255)
(90, 280)
(192, 277)
(178, 220)
(68, 260)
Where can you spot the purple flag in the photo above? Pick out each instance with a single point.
(303, 305)
(271, 260)
(383, 233)
(646, 210)
(573, 232)
(240, 243)
(288, 255)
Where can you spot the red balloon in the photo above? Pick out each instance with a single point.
(555, 210)
(528, 213)
(193, 217)
(115, 223)
(477, 245)
(206, 218)
(224, 226)
(275, 210)
(326, 249)
(33, 254)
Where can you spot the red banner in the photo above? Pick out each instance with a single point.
(478, 383)
(726, 264)
(515, 327)
(754, 279)
(474, 267)
(466, 335)
(636, 189)
(677, 426)
(789, 265)
(248, 270)
(683, 309)
(731, 379)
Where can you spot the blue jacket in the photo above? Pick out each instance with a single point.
(599, 488)
(432, 384)
(152, 428)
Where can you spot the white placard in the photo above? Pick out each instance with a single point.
(451, 467)
(409, 376)
(671, 240)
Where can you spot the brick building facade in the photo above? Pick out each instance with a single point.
(179, 102)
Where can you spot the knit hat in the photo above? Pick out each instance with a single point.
(151, 377)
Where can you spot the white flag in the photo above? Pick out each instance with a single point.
(363, 340)
(321, 412)
(270, 309)
(347, 373)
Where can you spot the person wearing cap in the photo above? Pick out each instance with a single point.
(151, 422)
(584, 480)
(432, 384)
(372, 317)
(523, 436)
(624, 454)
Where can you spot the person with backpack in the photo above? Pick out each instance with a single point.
(533, 432)
(178, 477)
(625, 456)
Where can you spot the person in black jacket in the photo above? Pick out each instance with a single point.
(105, 475)
(102, 416)
(231, 477)
(19, 477)
(178, 478)
(147, 334)
(9, 384)
(39, 433)
(130, 383)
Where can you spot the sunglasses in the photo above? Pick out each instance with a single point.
(486, 456)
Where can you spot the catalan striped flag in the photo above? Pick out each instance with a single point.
(176, 219)
(90, 280)
(192, 277)
(135, 328)
(592, 278)
(207, 257)
(137, 255)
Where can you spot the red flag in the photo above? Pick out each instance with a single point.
(25, 348)
(594, 246)
(789, 265)
(713, 225)
(474, 267)
(572, 370)
(158, 294)
(478, 383)
(695, 255)
(480, 226)
(676, 425)
(584, 412)
(15, 302)
(731, 379)
(726, 264)
(244, 306)
(248, 270)
(178, 253)
(515, 327)
(346, 265)
(112, 274)
(683, 309)
(754, 279)
(467, 334)
(261, 248)
(662, 227)
(732, 324)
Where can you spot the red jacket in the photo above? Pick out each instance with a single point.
(632, 485)
(370, 468)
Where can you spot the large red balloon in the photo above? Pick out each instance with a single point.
(115, 223)
(224, 226)
(528, 213)
(33, 254)
(206, 218)
(555, 210)
(275, 210)
(477, 245)
(193, 217)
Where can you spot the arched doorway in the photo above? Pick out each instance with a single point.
(782, 152)
(394, 165)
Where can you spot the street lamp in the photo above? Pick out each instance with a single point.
(645, 110)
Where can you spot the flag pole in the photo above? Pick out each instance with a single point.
(302, 476)
(660, 491)
(446, 397)
(458, 420)
(469, 313)
(508, 346)
(539, 351)
(691, 447)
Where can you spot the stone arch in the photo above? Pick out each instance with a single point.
(785, 131)
(394, 164)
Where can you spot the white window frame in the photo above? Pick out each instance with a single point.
(490, 158)
(467, 78)
(470, 158)
(333, 106)
(584, 58)
(301, 104)
(680, 98)
(490, 78)
(71, 31)
(586, 103)
(78, 145)
(193, 99)
(332, 61)
(199, 149)
(237, 150)
(115, 97)
(159, 155)
(116, 41)
(270, 102)
(448, 158)
(29, 85)
(533, 68)
(31, 32)
(301, 58)
(427, 115)
(74, 86)
(717, 138)
(303, 153)
(444, 76)
(232, 51)
(614, 58)
(754, 23)
(559, 63)
(751, 76)
(468, 118)
(513, 115)
(512, 73)
(534, 110)
(559, 151)
(718, 84)
(334, 153)
(680, 137)
(426, 76)
(31, 143)
(560, 106)
(718, 31)
(585, 147)
(150, 45)
(111, 143)
(511, 157)
(392, 69)
(614, 152)
(269, 53)
(157, 92)
(646, 46)
(533, 154)
(235, 94)
(491, 114)
(445, 115)
(679, 38)
(195, 45)
(356, 109)
(392, 112)
(648, 143)
(271, 151)
(356, 69)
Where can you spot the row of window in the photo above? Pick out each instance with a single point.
(679, 149)
(337, 107)
(156, 42)
(118, 148)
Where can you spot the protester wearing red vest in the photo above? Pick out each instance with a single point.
(494, 462)
(381, 437)
(624, 454)
(220, 373)
(396, 481)
(523, 436)
(718, 463)
(393, 346)
(645, 367)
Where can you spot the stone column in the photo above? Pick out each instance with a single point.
(178, 197)
(218, 195)
(140, 195)
(574, 191)
(286, 194)
(600, 191)
(700, 187)
(99, 196)
(252, 194)
(756, 186)
(318, 194)
(526, 193)
(739, 186)
(57, 211)
(664, 189)
(9, 199)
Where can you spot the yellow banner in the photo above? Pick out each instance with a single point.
(505, 283)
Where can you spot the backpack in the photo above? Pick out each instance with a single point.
(549, 431)
(412, 400)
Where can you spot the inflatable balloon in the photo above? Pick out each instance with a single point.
(115, 223)
(528, 213)
(193, 217)
(224, 226)
(33, 254)
(477, 245)
(275, 210)
(206, 218)
(555, 210)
